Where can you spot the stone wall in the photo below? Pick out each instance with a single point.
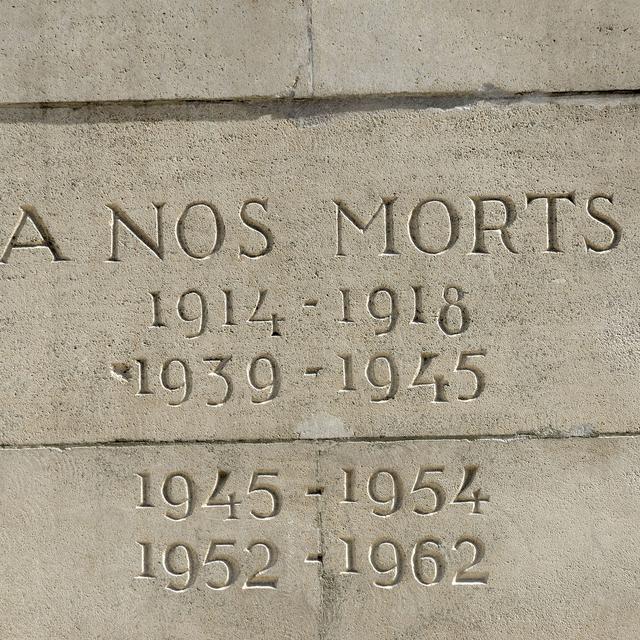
(319, 319)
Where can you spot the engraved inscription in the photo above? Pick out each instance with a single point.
(219, 566)
(454, 372)
(426, 562)
(385, 559)
(196, 315)
(385, 489)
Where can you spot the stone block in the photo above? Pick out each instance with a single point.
(487, 47)
(294, 273)
(87, 50)
(517, 538)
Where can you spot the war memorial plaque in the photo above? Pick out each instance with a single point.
(302, 368)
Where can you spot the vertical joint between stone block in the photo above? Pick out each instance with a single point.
(310, 44)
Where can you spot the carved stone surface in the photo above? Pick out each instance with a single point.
(555, 521)
(319, 319)
(534, 336)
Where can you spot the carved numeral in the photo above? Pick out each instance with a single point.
(428, 562)
(274, 320)
(183, 564)
(216, 501)
(260, 579)
(475, 497)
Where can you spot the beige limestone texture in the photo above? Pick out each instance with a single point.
(85, 50)
(559, 532)
(80, 50)
(252, 375)
(489, 46)
(558, 330)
